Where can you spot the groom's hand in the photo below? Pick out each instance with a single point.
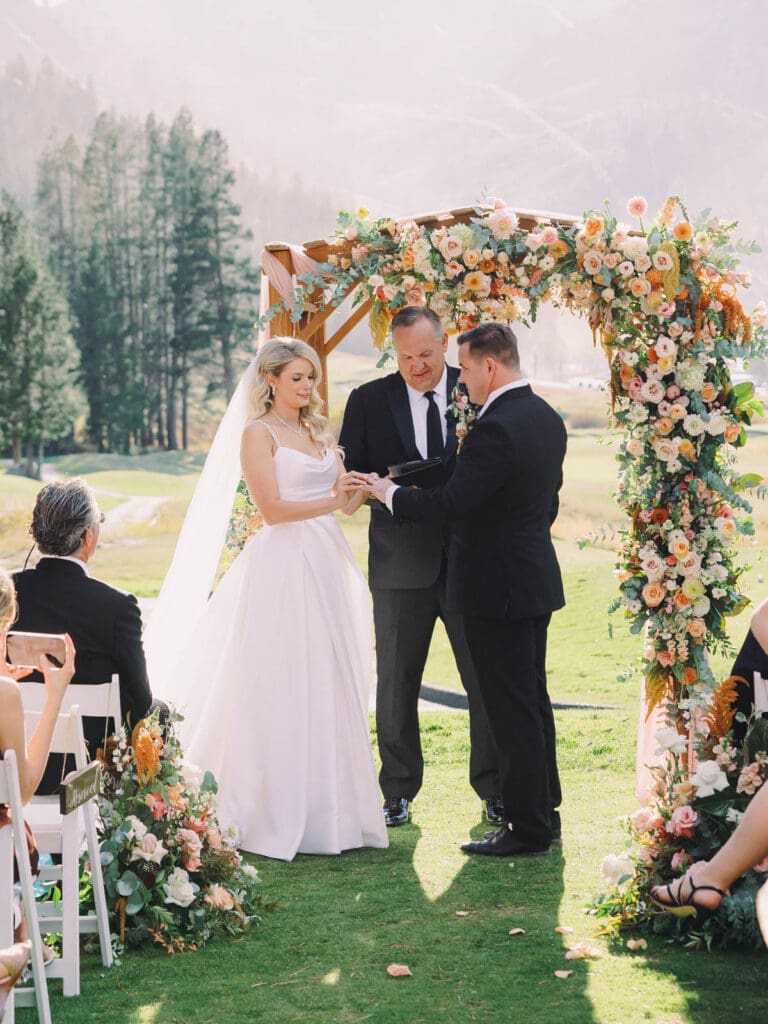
(378, 486)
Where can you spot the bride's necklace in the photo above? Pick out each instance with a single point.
(293, 430)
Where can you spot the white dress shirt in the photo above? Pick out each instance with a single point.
(500, 391)
(491, 398)
(419, 406)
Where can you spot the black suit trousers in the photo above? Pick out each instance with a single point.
(510, 663)
(405, 621)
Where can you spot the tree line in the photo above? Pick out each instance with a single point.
(132, 296)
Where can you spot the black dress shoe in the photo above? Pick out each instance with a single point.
(504, 843)
(493, 808)
(397, 812)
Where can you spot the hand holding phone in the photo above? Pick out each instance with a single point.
(24, 650)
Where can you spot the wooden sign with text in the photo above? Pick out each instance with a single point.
(79, 787)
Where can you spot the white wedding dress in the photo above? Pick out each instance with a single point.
(281, 666)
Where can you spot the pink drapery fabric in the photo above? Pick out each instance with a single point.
(280, 277)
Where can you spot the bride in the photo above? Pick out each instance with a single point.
(275, 683)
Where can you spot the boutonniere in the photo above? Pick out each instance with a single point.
(464, 412)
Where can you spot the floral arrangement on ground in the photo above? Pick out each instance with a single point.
(688, 819)
(171, 875)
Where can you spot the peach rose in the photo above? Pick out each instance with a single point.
(665, 659)
(732, 432)
(639, 287)
(653, 594)
(664, 425)
(697, 628)
(708, 391)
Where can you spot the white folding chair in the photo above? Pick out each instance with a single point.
(13, 838)
(99, 700)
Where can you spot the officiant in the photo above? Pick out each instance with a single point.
(397, 419)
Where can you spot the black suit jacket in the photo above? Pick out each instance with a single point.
(105, 625)
(377, 432)
(502, 499)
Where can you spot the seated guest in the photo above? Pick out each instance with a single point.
(753, 657)
(699, 891)
(59, 596)
(31, 757)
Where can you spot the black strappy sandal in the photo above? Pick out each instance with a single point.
(688, 907)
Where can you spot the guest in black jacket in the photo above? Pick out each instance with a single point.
(752, 657)
(59, 596)
(503, 575)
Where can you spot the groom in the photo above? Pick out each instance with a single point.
(503, 575)
(400, 418)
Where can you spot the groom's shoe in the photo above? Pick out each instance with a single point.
(397, 812)
(503, 843)
(493, 809)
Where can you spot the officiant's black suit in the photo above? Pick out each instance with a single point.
(57, 596)
(407, 570)
(503, 577)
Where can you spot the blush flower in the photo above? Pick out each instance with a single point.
(637, 206)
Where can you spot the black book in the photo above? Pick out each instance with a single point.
(420, 472)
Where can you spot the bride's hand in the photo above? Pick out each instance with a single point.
(351, 483)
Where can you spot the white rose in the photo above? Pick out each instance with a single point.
(629, 357)
(665, 448)
(192, 776)
(614, 869)
(149, 849)
(717, 424)
(635, 447)
(662, 261)
(701, 606)
(137, 830)
(669, 739)
(642, 263)
(593, 261)
(709, 778)
(249, 871)
(653, 567)
(635, 246)
(665, 346)
(179, 889)
(652, 391)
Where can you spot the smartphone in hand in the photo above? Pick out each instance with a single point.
(24, 649)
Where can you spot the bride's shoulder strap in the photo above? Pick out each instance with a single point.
(272, 434)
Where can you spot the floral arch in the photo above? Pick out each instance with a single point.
(662, 297)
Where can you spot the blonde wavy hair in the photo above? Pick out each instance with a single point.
(7, 601)
(272, 359)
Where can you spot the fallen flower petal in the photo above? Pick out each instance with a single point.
(399, 971)
(517, 931)
(462, 913)
(582, 951)
(563, 974)
(564, 929)
(637, 944)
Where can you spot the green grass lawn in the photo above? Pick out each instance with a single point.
(322, 955)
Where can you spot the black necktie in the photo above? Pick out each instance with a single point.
(434, 429)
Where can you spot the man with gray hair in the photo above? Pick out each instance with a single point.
(59, 596)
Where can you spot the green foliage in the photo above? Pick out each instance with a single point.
(37, 356)
(147, 243)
